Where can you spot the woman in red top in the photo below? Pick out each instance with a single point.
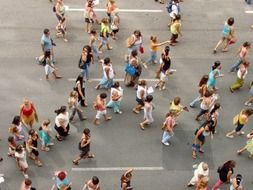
(28, 113)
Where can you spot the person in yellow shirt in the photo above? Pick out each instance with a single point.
(175, 30)
(176, 107)
(240, 120)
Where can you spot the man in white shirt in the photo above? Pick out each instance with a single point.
(201, 171)
(174, 10)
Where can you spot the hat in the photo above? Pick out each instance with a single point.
(61, 175)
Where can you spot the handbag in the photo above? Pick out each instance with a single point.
(130, 69)
(141, 49)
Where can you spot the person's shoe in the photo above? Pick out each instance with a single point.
(166, 143)
(201, 151)
(214, 51)
(231, 90)
(247, 104)
(58, 77)
(229, 136)
(119, 112)
(191, 106)
(142, 126)
(190, 185)
(1, 159)
(240, 133)
(136, 111)
(108, 118)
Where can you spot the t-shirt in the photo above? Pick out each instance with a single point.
(65, 117)
(46, 41)
(174, 11)
(200, 171)
(224, 172)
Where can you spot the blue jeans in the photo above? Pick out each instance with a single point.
(248, 1)
(153, 56)
(115, 105)
(85, 72)
(196, 100)
(166, 136)
(236, 65)
(73, 113)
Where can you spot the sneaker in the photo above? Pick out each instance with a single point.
(247, 104)
(191, 106)
(166, 143)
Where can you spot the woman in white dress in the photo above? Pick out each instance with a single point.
(148, 108)
(116, 97)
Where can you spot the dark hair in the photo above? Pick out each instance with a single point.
(177, 17)
(115, 85)
(95, 180)
(80, 79)
(203, 80)
(47, 54)
(167, 50)
(10, 139)
(134, 53)
(246, 44)
(31, 132)
(103, 95)
(62, 109)
(138, 32)
(229, 164)
(238, 179)
(88, 48)
(107, 60)
(153, 38)
(216, 64)
(28, 182)
(19, 148)
(215, 107)
(149, 98)
(46, 31)
(16, 120)
(86, 131)
(177, 100)
(248, 112)
(142, 83)
(93, 32)
(208, 94)
(230, 21)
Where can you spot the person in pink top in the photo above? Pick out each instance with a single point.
(243, 51)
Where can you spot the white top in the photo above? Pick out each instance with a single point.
(119, 91)
(111, 73)
(22, 158)
(139, 89)
(239, 74)
(65, 117)
(200, 171)
(174, 11)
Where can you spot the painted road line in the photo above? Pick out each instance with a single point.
(67, 8)
(119, 80)
(249, 12)
(117, 169)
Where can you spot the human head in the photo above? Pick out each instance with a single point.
(19, 148)
(73, 93)
(61, 175)
(205, 166)
(93, 32)
(46, 32)
(86, 131)
(149, 98)
(248, 112)
(137, 33)
(246, 44)
(230, 21)
(177, 100)
(80, 79)
(28, 182)
(116, 85)
(10, 139)
(46, 122)
(142, 83)
(208, 94)
(134, 53)
(87, 48)
(103, 95)
(230, 164)
(203, 182)
(107, 61)
(95, 180)
(62, 110)
(217, 64)
(31, 132)
(167, 49)
(203, 80)
(177, 17)
(153, 39)
(105, 21)
(16, 120)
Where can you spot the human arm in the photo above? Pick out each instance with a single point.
(200, 131)
(159, 44)
(79, 89)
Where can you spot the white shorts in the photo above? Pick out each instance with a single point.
(48, 69)
(100, 113)
(163, 76)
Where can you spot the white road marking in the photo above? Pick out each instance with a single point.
(118, 169)
(120, 10)
(119, 80)
(249, 12)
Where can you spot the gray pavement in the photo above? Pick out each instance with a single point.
(120, 142)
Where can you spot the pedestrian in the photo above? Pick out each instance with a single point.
(47, 44)
(141, 94)
(134, 42)
(167, 127)
(110, 7)
(115, 23)
(100, 106)
(200, 138)
(176, 106)
(208, 101)
(173, 5)
(227, 35)
(202, 184)
(18, 130)
(240, 120)
(104, 34)
(148, 109)
(202, 89)
(60, 10)
(92, 184)
(213, 115)
(242, 52)
(12, 146)
(116, 98)
(88, 14)
(27, 185)
(32, 147)
(92, 43)
(49, 67)
(126, 180)
(225, 173)
(62, 123)
(241, 74)
(45, 134)
(74, 106)
(213, 75)
(250, 100)
(93, 4)
(28, 113)
(249, 145)
(164, 59)
(61, 181)
(201, 171)
(20, 156)
(61, 30)
(153, 50)
(108, 74)
(175, 29)
(79, 87)
(236, 183)
(133, 69)
(85, 60)
(84, 147)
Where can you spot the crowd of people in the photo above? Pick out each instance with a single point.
(25, 140)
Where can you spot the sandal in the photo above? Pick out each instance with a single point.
(239, 152)
(38, 163)
(91, 156)
(75, 162)
(58, 138)
(194, 156)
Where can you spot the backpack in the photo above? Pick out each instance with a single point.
(41, 60)
(169, 6)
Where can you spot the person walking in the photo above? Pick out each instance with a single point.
(45, 134)
(241, 74)
(242, 52)
(108, 75)
(104, 34)
(213, 115)
(200, 138)
(240, 120)
(92, 43)
(92, 184)
(167, 127)
(49, 67)
(126, 180)
(176, 107)
(249, 145)
(148, 109)
(236, 182)
(225, 173)
(202, 89)
(164, 59)
(116, 98)
(47, 44)
(60, 10)
(12, 144)
(27, 185)
(227, 35)
(61, 30)
(88, 15)
(18, 130)
(79, 87)
(20, 156)
(61, 181)
(250, 99)
(213, 75)
(62, 123)
(100, 106)
(74, 106)
(134, 42)
(84, 147)
(175, 29)
(110, 7)
(28, 113)
(115, 23)
(141, 94)
(201, 171)
(85, 60)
